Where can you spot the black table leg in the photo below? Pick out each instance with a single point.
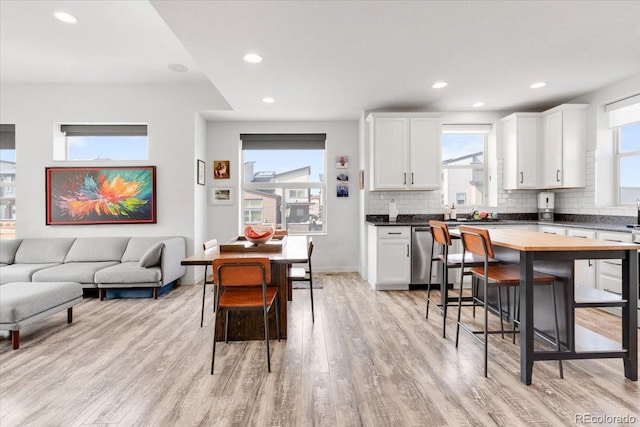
(526, 317)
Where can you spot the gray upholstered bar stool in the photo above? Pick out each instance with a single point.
(440, 233)
(477, 241)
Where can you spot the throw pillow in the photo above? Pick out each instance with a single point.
(152, 256)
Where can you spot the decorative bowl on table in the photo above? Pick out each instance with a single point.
(258, 234)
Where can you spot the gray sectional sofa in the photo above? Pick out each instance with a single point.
(94, 262)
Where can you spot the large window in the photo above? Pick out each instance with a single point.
(101, 142)
(628, 149)
(463, 164)
(283, 181)
(7, 181)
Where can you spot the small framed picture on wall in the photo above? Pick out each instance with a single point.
(221, 169)
(342, 162)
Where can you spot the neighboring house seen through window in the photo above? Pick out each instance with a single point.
(628, 149)
(283, 181)
(7, 181)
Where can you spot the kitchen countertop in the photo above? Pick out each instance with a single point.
(617, 223)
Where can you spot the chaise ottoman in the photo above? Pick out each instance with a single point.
(22, 303)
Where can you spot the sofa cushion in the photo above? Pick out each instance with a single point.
(45, 250)
(21, 300)
(81, 272)
(8, 249)
(128, 274)
(21, 272)
(137, 246)
(86, 249)
(152, 256)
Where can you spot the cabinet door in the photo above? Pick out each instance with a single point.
(510, 154)
(390, 142)
(394, 261)
(610, 270)
(584, 269)
(425, 153)
(552, 149)
(527, 150)
(549, 229)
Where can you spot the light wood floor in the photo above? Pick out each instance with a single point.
(370, 359)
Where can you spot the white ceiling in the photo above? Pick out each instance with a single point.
(331, 60)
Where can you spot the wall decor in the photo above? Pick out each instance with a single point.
(342, 190)
(342, 162)
(100, 195)
(221, 196)
(201, 172)
(342, 177)
(221, 169)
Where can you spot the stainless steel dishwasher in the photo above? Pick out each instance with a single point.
(421, 265)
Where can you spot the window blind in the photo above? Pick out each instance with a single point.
(283, 141)
(624, 111)
(7, 137)
(104, 130)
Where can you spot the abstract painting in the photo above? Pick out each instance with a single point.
(101, 195)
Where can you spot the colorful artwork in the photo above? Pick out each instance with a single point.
(101, 195)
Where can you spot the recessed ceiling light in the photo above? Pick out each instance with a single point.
(439, 85)
(478, 104)
(252, 58)
(65, 17)
(537, 85)
(268, 100)
(178, 68)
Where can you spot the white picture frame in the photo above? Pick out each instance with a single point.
(221, 195)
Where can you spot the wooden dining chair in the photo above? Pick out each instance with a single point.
(243, 285)
(208, 280)
(302, 274)
(442, 237)
(498, 276)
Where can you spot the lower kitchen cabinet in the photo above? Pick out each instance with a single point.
(585, 270)
(389, 257)
(610, 270)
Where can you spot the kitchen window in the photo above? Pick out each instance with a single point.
(463, 164)
(628, 153)
(102, 142)
(7, 181)
(284, 173)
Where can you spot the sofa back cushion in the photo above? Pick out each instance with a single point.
(92, 249)
(38, 251)
(8, 249)
(138, 246)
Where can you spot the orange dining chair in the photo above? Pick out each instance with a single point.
(208, 280)
(478, 242)
(441, 236)
(302, 274)
(243, 285)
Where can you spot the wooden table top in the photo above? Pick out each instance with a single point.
(535, 241)
(294, 251)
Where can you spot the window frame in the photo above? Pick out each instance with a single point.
(469, 130)
(62, 143)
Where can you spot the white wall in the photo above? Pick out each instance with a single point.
(169, 111)
(337, 250)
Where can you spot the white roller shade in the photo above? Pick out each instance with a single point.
(624, 111)
(466, 128)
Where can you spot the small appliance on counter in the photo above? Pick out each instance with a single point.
(393, 211)
(546, 204)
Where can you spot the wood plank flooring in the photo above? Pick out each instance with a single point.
(370, 359)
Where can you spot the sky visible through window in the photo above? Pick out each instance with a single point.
(456, 145)
(280, 161)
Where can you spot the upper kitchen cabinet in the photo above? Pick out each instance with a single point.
(405, 151)
(564, 146)
(520, 139)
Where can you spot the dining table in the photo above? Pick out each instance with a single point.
(249, 325)
(556, 254)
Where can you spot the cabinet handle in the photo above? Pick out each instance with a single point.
(613, 292)
(394, 232)
(612, 240)
(411, 178)
(612, 263)
(405, 178)
(521, 177)
(558, 175)
(549, 232)
(589, 263)
(408, 251)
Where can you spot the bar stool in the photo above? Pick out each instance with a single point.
(478, 242)
(440, 233)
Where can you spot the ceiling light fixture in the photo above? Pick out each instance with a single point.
(268, 100)
(178, 68)
(65, 17)
(537, 85)
(478, 104)
(252, 58)
(439, 85)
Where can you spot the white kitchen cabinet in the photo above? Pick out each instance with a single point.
(564, 147)
(520, 139)
(610, 270)
(551, 229)
(405, 151)
(584, 269)
(389, 257)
